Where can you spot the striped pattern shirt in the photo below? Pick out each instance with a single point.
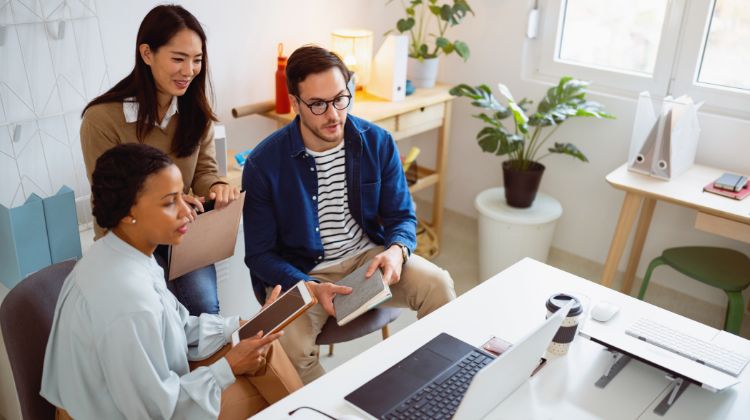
(341, 235)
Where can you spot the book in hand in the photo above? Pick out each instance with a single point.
(737, 195)
(366, 294)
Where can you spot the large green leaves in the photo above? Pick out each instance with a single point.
(498, 140)
(568, 149)
(567, 99)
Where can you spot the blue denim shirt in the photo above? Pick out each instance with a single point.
(282, 241)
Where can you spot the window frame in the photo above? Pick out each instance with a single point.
(675, 71)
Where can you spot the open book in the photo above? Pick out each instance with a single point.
(210, 238)
(366, 294)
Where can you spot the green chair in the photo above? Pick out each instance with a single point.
(724, 268)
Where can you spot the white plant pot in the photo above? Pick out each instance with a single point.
(422, 73)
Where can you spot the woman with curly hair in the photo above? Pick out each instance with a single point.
(120, 342)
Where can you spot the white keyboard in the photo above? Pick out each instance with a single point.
(685, 345)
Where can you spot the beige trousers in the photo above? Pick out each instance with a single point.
(423, 287)
(249, 393)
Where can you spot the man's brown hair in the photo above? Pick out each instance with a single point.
(311, 59)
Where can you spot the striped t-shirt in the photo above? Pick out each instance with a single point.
(341, 235)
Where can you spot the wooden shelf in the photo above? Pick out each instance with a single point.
(425, 178)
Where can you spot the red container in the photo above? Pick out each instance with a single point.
(282, 96)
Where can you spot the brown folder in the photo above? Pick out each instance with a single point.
(210, 238)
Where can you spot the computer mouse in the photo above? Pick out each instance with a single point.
(604, 311)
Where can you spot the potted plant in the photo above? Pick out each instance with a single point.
(422, 16)
(526, 139)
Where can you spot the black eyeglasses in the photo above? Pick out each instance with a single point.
(320, 107)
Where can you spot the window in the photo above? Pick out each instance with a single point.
(668, 47)
(623, 38)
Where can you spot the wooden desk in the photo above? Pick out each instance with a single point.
(422, 111)
(511, 304)
(716, 214)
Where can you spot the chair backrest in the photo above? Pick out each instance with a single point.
(26, 319)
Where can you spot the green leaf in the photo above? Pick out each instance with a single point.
(505, 91)
(435, 10)
(441, 42)
(497, 140)
(446, 13)
(462, 49)
(410, 11)
(404, 25)
(568, 149)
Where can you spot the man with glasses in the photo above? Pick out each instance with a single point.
(326, 194)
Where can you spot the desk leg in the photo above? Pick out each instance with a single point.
(619, 240)
(442, 159)
(641, 231)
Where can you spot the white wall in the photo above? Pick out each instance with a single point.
(591, 206)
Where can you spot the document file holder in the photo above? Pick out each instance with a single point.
(664, 145)
(24, 247)
(388, 78)
(61, 221)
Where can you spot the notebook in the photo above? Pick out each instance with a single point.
(366, 294)
(210, 238)
(737, 195)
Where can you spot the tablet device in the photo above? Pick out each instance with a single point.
(277, 315)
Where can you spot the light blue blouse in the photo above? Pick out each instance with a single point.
(120, 343)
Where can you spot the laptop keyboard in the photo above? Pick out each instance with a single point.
(685, 345)
(440, 398)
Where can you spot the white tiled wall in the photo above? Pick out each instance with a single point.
(51, 64)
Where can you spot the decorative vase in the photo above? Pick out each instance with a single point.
(422, 73)
(521, 186)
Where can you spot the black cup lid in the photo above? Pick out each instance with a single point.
(559, 300)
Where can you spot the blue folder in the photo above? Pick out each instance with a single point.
(61, 220)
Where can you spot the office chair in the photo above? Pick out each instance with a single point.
(26, 319)
(723, 268)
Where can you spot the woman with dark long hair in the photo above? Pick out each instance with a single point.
(120, 345)
(163, 103)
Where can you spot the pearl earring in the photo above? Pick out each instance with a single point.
(132, 221)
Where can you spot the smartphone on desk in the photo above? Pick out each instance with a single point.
(273, 318)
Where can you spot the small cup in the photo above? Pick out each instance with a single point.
(567, 332)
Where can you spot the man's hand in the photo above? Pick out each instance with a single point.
(223, 194)
(390, 262)
(325, 292)
(273, 296)
(249, 355)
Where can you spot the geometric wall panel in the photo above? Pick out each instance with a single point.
(51, 64)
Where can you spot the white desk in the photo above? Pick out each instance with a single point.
(508, 306)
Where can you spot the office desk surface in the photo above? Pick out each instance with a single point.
(685, 190)
(509, 305)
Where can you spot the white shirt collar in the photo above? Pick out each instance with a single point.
(130, 109)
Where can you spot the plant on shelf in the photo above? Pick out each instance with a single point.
(420, 16)
(524, 142)
(426, 44)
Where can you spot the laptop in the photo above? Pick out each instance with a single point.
(447, 377)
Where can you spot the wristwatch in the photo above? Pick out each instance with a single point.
(404, 252)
